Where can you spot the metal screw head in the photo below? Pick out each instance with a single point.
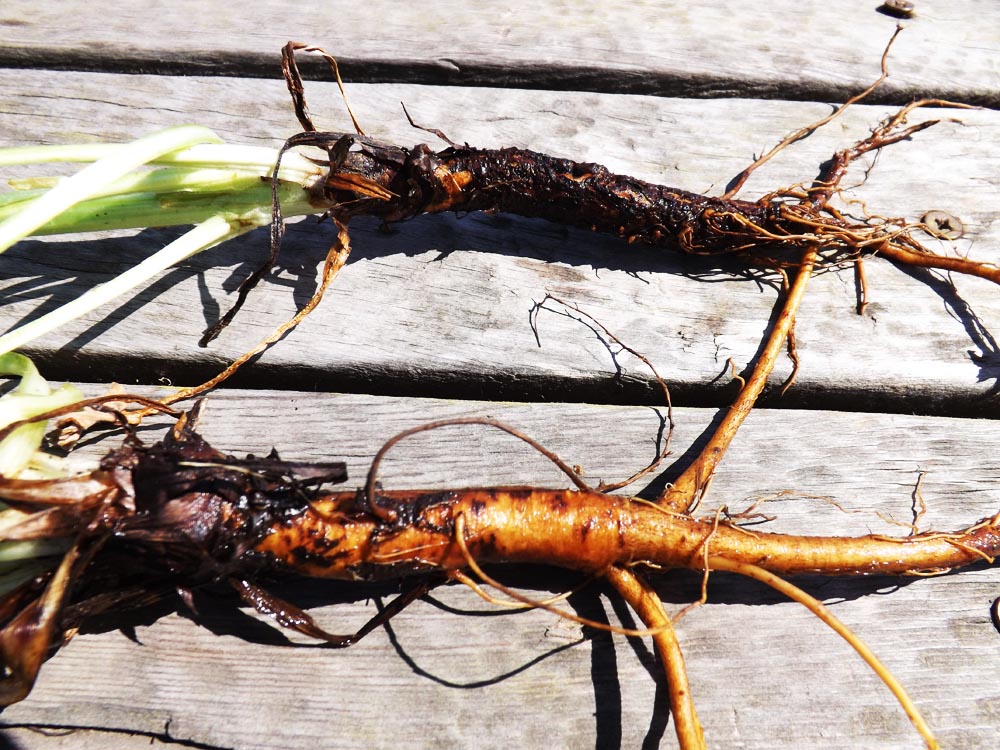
(942, 225)
(897, 8)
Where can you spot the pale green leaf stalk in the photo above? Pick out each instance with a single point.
(21, 560)
(182, 175)
(92, 179)
(190, 177)
(32, 396)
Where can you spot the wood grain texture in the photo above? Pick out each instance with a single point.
(765, 674)
(442, 305)
(788, 50)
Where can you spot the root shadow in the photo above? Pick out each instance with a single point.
(987, 358)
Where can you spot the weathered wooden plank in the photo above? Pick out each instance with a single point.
(442, 305)
(791, 50)
(765, 674)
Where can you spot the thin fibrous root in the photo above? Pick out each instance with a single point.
(335, 260)
(808, 129)
(390, 516)
(824, 614)
(665, 440)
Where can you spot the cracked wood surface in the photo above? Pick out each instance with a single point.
(440, 308)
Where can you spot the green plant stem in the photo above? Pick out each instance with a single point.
(91, 180)
(241, 195)
(225, 190)
(33, 395)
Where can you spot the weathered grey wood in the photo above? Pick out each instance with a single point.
(790, 50)
(442, 306)
(765, 674)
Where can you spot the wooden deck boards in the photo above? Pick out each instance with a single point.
(445, 676)
(449, 297)
(441, 308)
(788, 50)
